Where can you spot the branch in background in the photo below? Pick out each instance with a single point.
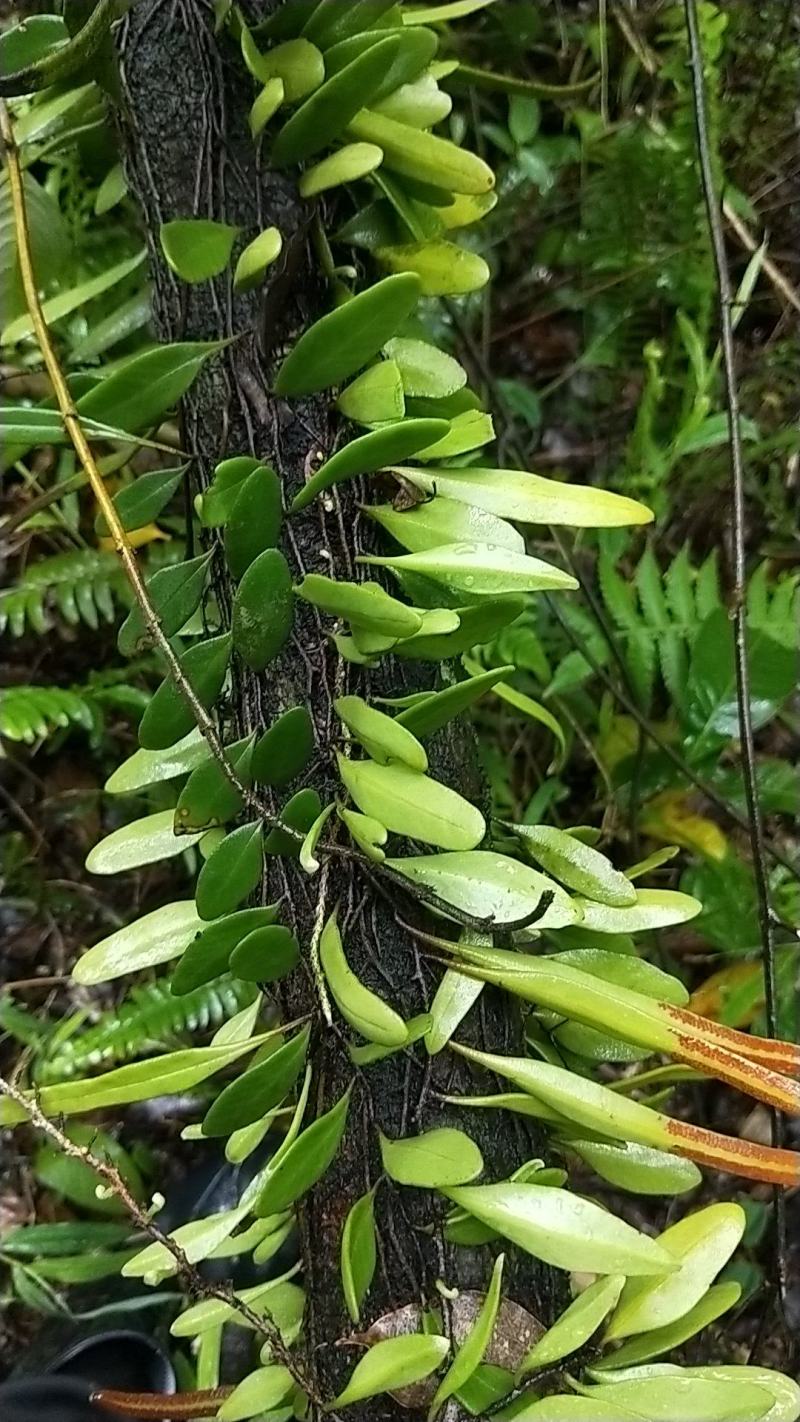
(74, 429)
(197, 1286)
(746, 738)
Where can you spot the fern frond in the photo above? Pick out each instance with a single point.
(83, 586)
(32, 713)
(149, 1019)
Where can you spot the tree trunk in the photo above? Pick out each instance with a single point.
(188, 153)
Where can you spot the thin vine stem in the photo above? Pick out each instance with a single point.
(196, 1285)
(746, 734)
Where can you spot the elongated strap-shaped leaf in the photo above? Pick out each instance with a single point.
(155, 938)
(394, 1363)
(358, 1253)
(563, 1229)
(329, 109)
(577, 865)
(439, 521)
(370, 452)
(576, 1324)
(530, 498)
(470, 1353)
(421, 155)
(478, 568)
(367, 604)
(144, 841)
(348, 338)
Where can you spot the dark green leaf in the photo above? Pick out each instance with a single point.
(711, 692)
(208, 953)
(218, 500)
(284, 749)
(258, 1090)
(168, 716)
(477, 624)
(329, 109)
(299, 813)
(231, 873)
(143, 500)
(435, 711)
(64, 1238)
(265, 955)
(175, 593)
(254, 522)
(263, 609)
(145, 386)
(305, 1161)
(331, 24)
(346, 339)
(369, 452)
(208, 798)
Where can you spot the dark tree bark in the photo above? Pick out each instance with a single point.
(188, 153)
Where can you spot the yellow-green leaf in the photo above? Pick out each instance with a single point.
(196, 248)
(531, 498)
(358, 1252)
(444, 269)
(257, 256)
(392, 1364)
(362, 1008)
(436, 1159)
(346, 165)
(383, 738)
(576, 1325)
(412, 804)
(155, 938)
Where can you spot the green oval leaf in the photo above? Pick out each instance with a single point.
(454, 997)
(254, 523)
(259, 1393)
(423, 156)
(412, 804)
(263, 609)
(197, 249)
(296, 62)
(346, 165)
(434, 1160)
(145, 768)
(257, 256)
(383, 738)
(392, 1364)
(440, 521)
(231, 873)
(654, 908)
(358, 1253)
(265, 955)
(576, 865)
(143, 387)
(370, 452)
(299, 813)
(678, 1398)
(266, 105)
(285, 748)
(346, 339)
(259, 1090)
(436, 710)
(424, 369)
(719, 1299)
(208, 798)
(142, 500)
(640, 1169)
(563, 1229)
(444, 269)
(363, 1009)
(207, 954)
(366, 604)
(477, 568)
(375, 397)
(531, 498)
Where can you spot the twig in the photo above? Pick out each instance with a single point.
(197, 1286)
(755, 825)
(74, 429)
(779, 281)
